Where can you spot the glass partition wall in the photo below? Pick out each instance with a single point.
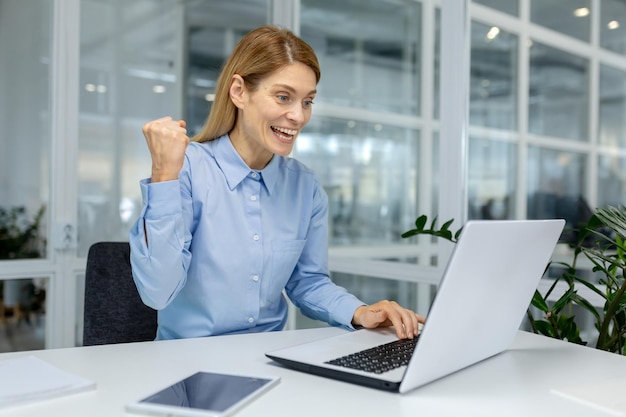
(546, 95)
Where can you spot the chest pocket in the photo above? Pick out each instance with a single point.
(285, 255)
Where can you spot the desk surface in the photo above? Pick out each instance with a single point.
(514, 383)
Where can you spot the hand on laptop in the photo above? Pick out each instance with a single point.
(389, 313)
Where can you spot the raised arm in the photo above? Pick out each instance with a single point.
(159, 239)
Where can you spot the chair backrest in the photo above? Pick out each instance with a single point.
(114, 312)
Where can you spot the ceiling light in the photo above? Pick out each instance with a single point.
(581, 12)
(158, 89)
(209, 97)
(90, 87)
(613, 24)
(493, 32)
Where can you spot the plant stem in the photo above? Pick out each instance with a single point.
(608, 316)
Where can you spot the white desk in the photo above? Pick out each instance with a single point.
(515, 383)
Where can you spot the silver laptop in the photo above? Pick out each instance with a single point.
(481, 301)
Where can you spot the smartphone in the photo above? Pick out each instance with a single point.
(204, 394)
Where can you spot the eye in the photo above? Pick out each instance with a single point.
(282, 98)
(307, 103)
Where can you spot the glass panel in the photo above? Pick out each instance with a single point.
(437, 64)
(492, 179)
(556, 186)
(210, 42)
(613, 25)
(493, 83)
(370, 175)
(371, 290)
(22, 314)
(572, 18)
(25, 121)
(130, 74)
(368, 51)
(506, 6)
(611, 181)
(612, 107)
(558, 93)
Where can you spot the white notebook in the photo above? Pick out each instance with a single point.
(27, 379)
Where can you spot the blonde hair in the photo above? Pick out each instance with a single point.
(259, 53)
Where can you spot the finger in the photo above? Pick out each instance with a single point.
(410, 321)
(393, 314)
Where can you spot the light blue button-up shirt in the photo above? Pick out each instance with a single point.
(225, 240)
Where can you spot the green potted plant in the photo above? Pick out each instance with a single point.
(602, 241)
(20, 238)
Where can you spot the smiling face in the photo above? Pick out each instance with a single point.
(270, 118)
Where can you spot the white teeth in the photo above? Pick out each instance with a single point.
(286, 131)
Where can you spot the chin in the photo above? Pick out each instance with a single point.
(283, 149)
(285, 152)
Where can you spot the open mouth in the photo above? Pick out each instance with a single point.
(285, 134)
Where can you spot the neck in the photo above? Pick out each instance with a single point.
(253, 157)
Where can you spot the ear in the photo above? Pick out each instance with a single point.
(237, 90)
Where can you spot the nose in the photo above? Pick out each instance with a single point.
(296, 114)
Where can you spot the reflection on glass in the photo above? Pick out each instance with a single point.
(371, 290)
(25, 29)
(558, 93)
(493, 83)
(492, 178)
(611, 181)
(613, 25)
(369, 173)
(129, 74)
(555, 186)
(369, 58)
(612, 124)
(572, 18)
(22, 314)
(506, 6)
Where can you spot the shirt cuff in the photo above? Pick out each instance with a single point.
(346, 312)
(161, 198)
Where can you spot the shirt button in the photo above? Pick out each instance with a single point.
(254, 175)
(256, 237)
(253, 198)
(255, 278)
(250, 319)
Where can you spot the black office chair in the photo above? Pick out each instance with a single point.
(114, 312)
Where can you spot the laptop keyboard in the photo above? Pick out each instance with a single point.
(380, 358)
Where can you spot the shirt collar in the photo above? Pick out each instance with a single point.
(235, 169)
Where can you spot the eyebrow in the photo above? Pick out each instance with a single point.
(291, 89)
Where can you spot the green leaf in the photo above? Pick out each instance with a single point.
(545, 328)
(420, 222)
(447, 224)
(587, 306)
(565, 299)
(539, 302)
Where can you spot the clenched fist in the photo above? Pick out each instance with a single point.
(167, 140)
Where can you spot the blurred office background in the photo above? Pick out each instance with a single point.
(544, 136)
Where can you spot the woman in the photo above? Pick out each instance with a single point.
(230, 221)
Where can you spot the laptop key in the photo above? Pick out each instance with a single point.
(379, 359)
